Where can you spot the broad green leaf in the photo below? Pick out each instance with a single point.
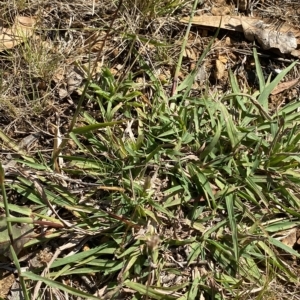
(230, 126)
(260, 75)
(79, 257)
(284, 247)
(196, 249)
(213, 142)
(232, 221)
(267, 90)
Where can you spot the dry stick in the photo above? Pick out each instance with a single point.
(64, 141)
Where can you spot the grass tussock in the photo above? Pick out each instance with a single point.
(134, 184)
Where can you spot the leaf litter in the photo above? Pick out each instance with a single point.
(22, 29)
(284, 39)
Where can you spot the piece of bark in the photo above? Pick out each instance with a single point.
(285, 42)
(285, 86)
(285, 39)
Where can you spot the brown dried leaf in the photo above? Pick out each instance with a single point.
(21, 30)
(296, 53)
(6, 281)
(227, 22)
(285, 86)
(269, 39)
(298, 236)
(190, 53)
(223, 59)
(220, 69)
(58, 75)
(234, 23)
(291, 238)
